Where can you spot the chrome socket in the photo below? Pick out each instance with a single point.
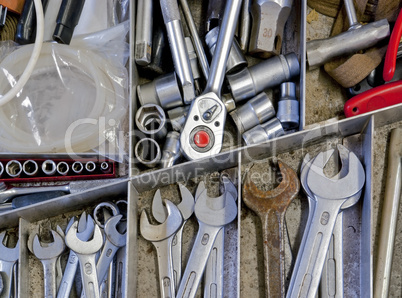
(49, 167)
(266, 74)
(90, 166)
(62, 168)
(164, 91)
(148, 152)
(178, 117)
(263, 132)
(151, 120)
(14, 168)
(236, 59)
(171, 151)
(30, 167)
(288, 106)
(77, 167)
(1, 169)
(256, 111)
(104, 166)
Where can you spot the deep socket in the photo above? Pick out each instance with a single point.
(171, 151)
(151, 120)
(62, 168)
(148, 152)
(288, 106)
(164, 91)
(30, 167)
(90, 166)
(263, 132)
(14, 168)
(236, 59)
(77, 167)
(256, 111)
(266, 74)
(49, 167)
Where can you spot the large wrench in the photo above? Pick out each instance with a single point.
(186, 208)
(212, 215)
(202, 134)
(329, 195)
(161, 237)
(271, 206)
(8, 258)
(48, 256)
(86, 251)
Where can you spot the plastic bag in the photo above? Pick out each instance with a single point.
(75, 100)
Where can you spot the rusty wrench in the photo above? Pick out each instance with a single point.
(270, 206)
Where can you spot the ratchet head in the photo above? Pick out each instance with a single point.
(84, 247)
(163, 231)
(113, 234)
(215, 211)
(202, 135)
(51, 250)
(262, 201)
(8, 254)
(336, 188)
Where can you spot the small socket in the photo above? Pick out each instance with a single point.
(1, 169)
(90, 166)
(49, 167)
(77, 167)
(63, 168)
(104, 166)
(30, 167)
(14, 168)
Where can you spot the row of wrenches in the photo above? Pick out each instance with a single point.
(212, 214)
(101, 260)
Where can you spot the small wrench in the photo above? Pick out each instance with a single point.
(84, 234)
(271, 206)
(86, 251)
(161, 237)
(186, 208)
(329, 195)
(48, 256)
(8, 258)
(212, 214)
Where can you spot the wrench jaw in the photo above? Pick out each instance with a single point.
(202, 135)
(84, 247)
(8, 254)
(166, 229)
(51, 251)
(112, 233)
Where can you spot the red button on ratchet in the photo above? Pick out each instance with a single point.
(201, 139)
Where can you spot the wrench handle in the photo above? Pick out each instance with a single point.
(165, 265)
(68, 276)
(49, 272)
(198, 259)
(176, 256)
(7, 268)
(307, 273)
(89, 276)
(105, 259)
(273, 232)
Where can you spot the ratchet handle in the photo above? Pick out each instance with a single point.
(374, 99)
(392, 50)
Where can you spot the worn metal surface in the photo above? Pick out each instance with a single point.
(271, 206)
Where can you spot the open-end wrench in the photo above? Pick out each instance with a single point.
(181, 61)
(329, 194)
(121, 257)
(8, 258)
(161, 237)
(271, 206)
(84, 234)
(114, 240)
(202, 134)
(86, 251)
(48, 256)
(212, 214)
(213, 275)
(186, 208)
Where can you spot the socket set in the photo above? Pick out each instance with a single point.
(46, 170)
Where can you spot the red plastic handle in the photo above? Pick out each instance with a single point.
(392, 50)
(374, 99)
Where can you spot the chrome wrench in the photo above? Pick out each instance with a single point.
(8, 258)
(203, 131)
